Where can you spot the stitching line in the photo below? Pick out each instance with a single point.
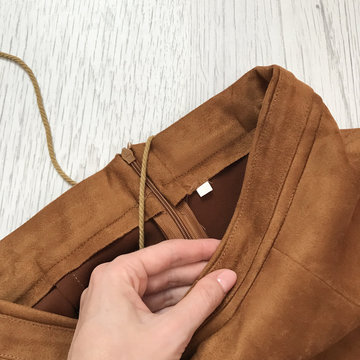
(277, 200)
(77, 249)
(251, 174)
(291, 197)
(240, 213)
(210, 156)
(336, 342)
(162, 162)
(284, 173)
(45, 326)
(293, 194)
(7, 357)
(64, 298)
(82, 245)
(318, 277)
(78, 281)
(284, 218)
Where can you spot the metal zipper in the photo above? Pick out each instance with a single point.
(128, 155)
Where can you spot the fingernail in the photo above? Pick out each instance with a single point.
(227, 279)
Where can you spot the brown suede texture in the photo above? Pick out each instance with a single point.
(293, 237)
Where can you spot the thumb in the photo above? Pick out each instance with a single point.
(207, 294)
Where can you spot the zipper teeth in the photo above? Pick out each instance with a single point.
(172, 212)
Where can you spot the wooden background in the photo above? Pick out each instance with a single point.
(120, 70)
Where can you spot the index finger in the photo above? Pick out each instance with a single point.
(172, 253)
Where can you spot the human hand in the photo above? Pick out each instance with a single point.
(134, 306)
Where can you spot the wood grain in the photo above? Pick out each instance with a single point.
(120, 70)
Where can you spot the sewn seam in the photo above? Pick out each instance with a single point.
(174, 179)
(8, 357)
(289, 205)
(78, 281)
(206, 159)
(43, 278)
(79, 247)
(250, 172)
(318, 277)
(253, 163)
(291, 197)
(44, 326)
(221, 256)
(250, 181)
(63, 297)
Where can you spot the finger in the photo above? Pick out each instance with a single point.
(189, 313)
(179, 276)
(163, 299)
(172, 253)
(164, 310)
(82, 297)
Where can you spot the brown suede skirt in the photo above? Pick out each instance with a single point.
(285, 202)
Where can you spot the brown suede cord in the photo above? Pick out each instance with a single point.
(43, 115)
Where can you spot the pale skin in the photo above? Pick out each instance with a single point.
(134, 307)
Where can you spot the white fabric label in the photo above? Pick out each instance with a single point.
(204, 189)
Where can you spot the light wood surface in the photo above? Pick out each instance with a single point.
(117, 71)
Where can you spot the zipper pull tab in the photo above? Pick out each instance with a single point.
(128, 155)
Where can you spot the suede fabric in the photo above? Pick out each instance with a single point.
(293, 238)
